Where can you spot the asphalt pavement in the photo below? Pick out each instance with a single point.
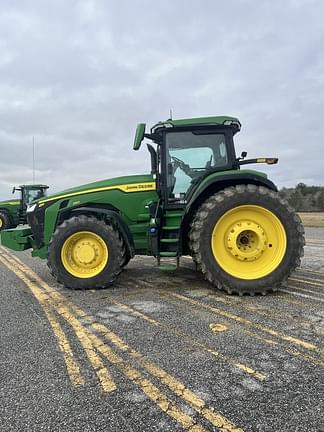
(160, 351)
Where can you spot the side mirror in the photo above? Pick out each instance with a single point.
(154, 165)
(243, 156)
(13, 189)
(139, 135)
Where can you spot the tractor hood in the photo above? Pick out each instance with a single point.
(9, 203)
(125, 184)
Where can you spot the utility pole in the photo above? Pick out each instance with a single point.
(33, 159)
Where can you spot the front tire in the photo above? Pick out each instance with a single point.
(85, 253)
(5, 221)
(246, 240)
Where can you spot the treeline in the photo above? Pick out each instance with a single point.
(304, 198)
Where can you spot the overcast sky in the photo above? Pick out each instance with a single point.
(79, 76)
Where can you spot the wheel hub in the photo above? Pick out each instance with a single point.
(85, 253)
(246, 240)
(249, 242)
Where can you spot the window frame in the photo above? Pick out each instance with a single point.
(229, 142)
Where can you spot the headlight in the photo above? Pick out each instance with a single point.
(31, 208)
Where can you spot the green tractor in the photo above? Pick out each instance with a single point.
(196, 201)
(13, 212)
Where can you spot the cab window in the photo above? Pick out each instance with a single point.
(33, 194)
(191, 155)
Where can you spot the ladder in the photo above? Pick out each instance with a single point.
(169, 243)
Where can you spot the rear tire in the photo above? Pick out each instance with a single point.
(5, 220)
(246, 240)
(85, 253)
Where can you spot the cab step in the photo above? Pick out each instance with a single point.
(173, 215)
(171, 263)
(168, 267)
(171, 227)
(169, 240)
(168, 254)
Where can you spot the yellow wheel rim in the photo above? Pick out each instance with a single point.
(1, 223)
(84, 254)
(249, 242)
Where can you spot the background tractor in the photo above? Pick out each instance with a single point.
(196, 201)
(13, 212)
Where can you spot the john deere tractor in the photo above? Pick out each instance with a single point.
(13, 212)
(196, 201)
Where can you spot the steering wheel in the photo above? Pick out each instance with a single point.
(209, 163)
(185, 167)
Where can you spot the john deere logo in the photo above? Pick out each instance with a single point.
(140, 186)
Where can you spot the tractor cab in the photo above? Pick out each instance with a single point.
(28, 194)
(188, 150)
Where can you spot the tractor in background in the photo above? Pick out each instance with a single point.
(13, 212)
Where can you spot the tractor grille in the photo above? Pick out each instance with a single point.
(36, 223)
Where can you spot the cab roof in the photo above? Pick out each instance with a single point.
(199, 121)
(34, 186)
(228, 121)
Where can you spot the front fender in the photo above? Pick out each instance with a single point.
(116, 219)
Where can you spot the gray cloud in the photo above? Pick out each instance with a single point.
(79, 75)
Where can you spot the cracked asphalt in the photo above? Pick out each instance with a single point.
(160, 351)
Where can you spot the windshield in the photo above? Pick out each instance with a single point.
(190, 155)
(34, 194)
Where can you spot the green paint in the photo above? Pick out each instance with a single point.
(139, 135)
(116, 181)
(131, 205)
(18, 239)
(238, 174)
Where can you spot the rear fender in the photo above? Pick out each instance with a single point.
(213, 184)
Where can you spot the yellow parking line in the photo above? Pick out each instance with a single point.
(135, 376)
(315, 241)
(134, 312)
(248, 323)
(299, 270)
(305, 290)
(263, 310)
(243, 367)
(148, 388)
(101, 371)
(192, 399)
(247, 369)
(272, 332)
(188, 396)
(176, 386)
(308, 282)
(166, 405)
(72, 365)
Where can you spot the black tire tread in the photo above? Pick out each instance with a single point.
(7, 222)
(83, 219)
